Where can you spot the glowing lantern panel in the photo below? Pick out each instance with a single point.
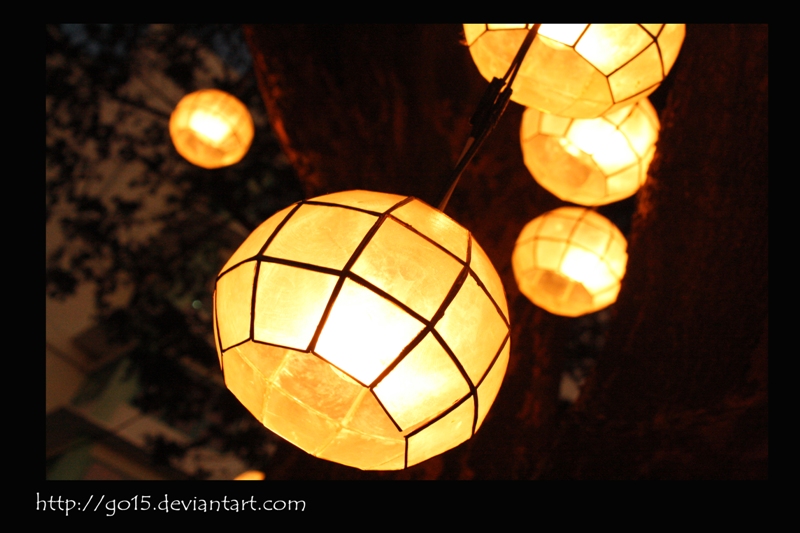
(211, 128)
(591, 161)
(366, 328)
(578, 70)
(570, 261)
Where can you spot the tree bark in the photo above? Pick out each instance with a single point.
(681, 390)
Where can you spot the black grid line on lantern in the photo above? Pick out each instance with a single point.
(591, 161)
(366, 328)
(579, 70)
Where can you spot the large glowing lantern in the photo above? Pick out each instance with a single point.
(570, 261)
(578, 70)
(211, 128)
(366, 328)
(592, 161)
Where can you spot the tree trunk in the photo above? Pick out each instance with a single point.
(681, 390)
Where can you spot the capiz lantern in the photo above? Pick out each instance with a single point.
(366, 328)
(570, 261)
(578, 70)
(211, 128)
(591, 161)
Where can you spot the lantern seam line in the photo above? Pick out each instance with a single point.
(217, 334)
(484, 32)
(321, 449)
(429, 328)
(585, 29)
(327, 418)
(331, 204)
(648, 31)
(240, 263)
(475, 412)
(385, 410)
(491, 299)
(611, 238)
(279, 227)
(425, 420)
(321, 358)
(348, 416)
(237, 344)
(636, 163)
(506, 340)
(454, 290)
(298, 264)
(379, 465)
(568, 239)
(637, 55)
(624, 120)
(429, 239)
(473, 389)
(575, 244)
(610, 288)
(661, 60)
(264, 246)
(429, 325)
(610, 90)
(374, 288)
(438, 417)
(613, 103)
(290, 396)
(649, 88)
(263, 250)
(454, 357)
(607, 247)
(353, 258)
(575, 47)
(254, 290)
(403, 353)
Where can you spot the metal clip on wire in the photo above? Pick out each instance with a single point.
(491, 107)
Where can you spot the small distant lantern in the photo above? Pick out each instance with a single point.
(250, 475)
(366, 328)
(211, 128)
(570, 261)
(591, 161)
(578, 70)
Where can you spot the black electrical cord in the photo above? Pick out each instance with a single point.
(491, 107)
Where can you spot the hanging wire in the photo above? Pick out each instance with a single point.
(491, 107)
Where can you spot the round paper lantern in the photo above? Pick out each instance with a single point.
(570, 261)
(592, 161)
(578, 70)
(211, 128)
(366, 328)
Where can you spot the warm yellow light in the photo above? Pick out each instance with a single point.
(591, 161)
(366, 328)
(578, 70)
(570, 261)
(250, 475)
(211, 128)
